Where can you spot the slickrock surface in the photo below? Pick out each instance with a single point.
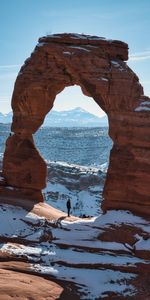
(19, 285)
(99, 67)
(46, 255)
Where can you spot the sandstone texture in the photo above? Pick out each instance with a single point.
(16, 284)
(99, 67)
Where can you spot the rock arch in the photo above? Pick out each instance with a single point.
(98, 66)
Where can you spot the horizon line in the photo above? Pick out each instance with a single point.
(65, 110)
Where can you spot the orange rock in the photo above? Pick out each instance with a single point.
(98, 66)
(23, 166)
(20, 285)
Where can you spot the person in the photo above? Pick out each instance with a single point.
(68, 204)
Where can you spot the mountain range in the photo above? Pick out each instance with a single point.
(76, 117)
(6, 118)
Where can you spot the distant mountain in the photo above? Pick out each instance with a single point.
(6, 118)
(76, 117)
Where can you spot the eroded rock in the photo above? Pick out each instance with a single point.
(99, 67)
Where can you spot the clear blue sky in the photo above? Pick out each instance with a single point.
(22, 22)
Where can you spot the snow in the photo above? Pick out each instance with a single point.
(16, 221)
(10, 188)
(143, 244)
(79, 36)
(82, 202)
(74, 257)
(20, 251)
(67, 52)
(40, 44)
(103, 78)
(45, 270)
(104, 167)
(80, 48)
(74, 167)
(82, 185)
(75, 252)
(145, 103)
(117, 65)
(91, 244)
(88, 37)
(142, 108)
(94, 283)
(56, 36)
(118, 217)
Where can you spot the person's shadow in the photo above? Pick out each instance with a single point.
(58, 222)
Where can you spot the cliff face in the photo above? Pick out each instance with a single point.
(98, 66)
(128, 177)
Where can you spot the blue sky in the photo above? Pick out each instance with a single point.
(22, 22)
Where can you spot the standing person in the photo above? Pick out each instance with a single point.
(68, 204)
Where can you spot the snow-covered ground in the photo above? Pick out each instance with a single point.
(73, 251)
(82, 185)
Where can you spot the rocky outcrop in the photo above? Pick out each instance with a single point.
(18, 282)
(21, 168)
(128, 177)
(98, 66)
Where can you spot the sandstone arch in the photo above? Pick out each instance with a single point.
(98, 66)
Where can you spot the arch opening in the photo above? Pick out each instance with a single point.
(76, 147)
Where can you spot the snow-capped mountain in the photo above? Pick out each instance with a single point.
(76, 117)
(6, 118)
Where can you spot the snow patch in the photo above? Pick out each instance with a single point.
(67, 53)
(103, 78)
(10, 188)
(93, 283)
(54, 36)
(117, 65)
(40, 44)
(145, 103)
(143, 244)
(144, 106)
(80, 48)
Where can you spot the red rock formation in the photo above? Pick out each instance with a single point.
(98, 66)
(21, 163)
(15, 283)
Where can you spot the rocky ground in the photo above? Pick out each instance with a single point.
(82, 185)
(46, 255)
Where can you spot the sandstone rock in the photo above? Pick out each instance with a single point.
(15, 283)
(18, 195)
(23, 166)
(98, 66)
